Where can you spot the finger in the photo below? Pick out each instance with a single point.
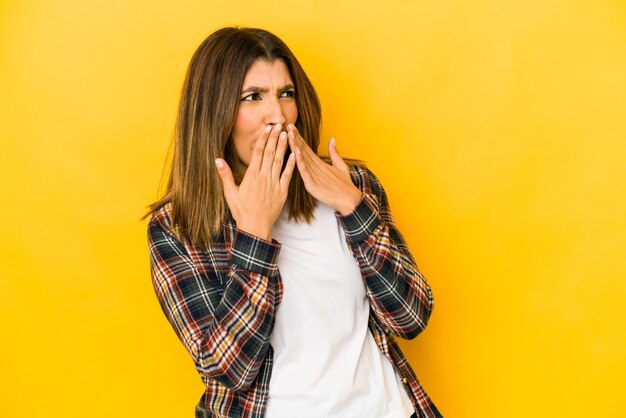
(270, 149)
(259, 148)
(309, 156)
(298, 145)
(335, 158)
(227, 177)
(279, 155)
(292, 142)
(307, 166)
(286, 176)
(303, 166)
(298, 139)
(313, 170)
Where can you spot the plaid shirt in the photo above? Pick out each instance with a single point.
(221, 301)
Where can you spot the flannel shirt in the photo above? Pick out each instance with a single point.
(221, 300)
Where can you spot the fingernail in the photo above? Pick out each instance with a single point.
(279, 127)
(219, 163)
(332, 141)
(283, 137)
(292, 156)
(268, 129)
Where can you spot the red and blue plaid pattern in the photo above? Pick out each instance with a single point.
(221, 300)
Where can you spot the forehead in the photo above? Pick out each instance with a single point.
(266, 73)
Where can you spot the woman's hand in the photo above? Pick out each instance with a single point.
(257, 201)
(330, 184)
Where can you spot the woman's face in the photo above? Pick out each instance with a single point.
(267, 98)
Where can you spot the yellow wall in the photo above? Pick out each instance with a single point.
(498, 129)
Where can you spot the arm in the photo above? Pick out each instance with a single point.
(399, 295)
(225, 328)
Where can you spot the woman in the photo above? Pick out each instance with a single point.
(284, 276)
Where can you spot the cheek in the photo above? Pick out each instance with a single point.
(244, 123)
(292, 114)
(244, 135)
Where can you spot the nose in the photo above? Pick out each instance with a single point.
(275, 112)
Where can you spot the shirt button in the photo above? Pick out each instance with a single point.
(404, 380)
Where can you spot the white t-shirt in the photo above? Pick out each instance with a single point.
(326, 362)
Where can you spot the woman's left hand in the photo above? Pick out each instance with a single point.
(330, 184)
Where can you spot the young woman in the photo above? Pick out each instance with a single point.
(283, 275)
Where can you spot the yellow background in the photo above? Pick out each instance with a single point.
(497, 127)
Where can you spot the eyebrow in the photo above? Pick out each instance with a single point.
(255, 89)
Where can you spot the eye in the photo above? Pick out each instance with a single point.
(251, 97)
(288, 93)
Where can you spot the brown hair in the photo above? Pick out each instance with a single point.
(206, 116)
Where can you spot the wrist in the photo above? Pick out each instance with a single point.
(350, 203)
(256, 230)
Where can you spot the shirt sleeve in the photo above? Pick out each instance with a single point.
(225, 327)
(399, 295)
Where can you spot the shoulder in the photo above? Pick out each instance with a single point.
(162, 216)
(161, 221)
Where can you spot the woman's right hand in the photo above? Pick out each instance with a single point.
(257, 201)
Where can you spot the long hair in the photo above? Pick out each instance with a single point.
(206, 116)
